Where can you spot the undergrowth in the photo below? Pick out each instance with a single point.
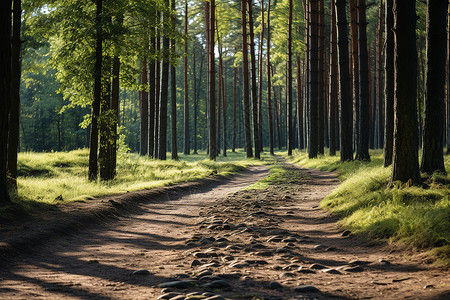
(413, 216)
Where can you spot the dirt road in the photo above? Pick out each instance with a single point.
(221, 241)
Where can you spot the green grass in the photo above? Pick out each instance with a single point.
(413, 216)
(51, 178)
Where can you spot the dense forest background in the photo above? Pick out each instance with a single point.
(153, 76)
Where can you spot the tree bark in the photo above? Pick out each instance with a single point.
(212, 83)
(389, 84)
(5, 93)
(233, 142)
(173, 87)
(299, 106)
(253, 77)
(14, 110)
(93, 145)
(186, 94)
(115, 108)
(355, 67)
(143, 105)
(157, 85)
(380, 76)
(448, 83)
(362, 152)
(269, 84)
(345, 102)
(290, 136)
(152, 97)
(405, 157)
(260, 78)
(321, 85)
(434, 112)
(333, 96)
(313, 80)
(162, 128)
(248, 142)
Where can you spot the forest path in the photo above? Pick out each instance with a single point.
(269, 243)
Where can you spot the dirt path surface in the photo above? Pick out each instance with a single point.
(224, 242)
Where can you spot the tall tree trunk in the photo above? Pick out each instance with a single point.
(186, 94)
(14, 110)
(313, 80)
(355, 69)
(448, 83)
(152, 97)
(93, 145)
(162, 128)
(115, 87)
(333, 96)
(380, 76)
(220, 91)
(364, 95)
(345, 103)
(260, 79)
(5, 93)
(299, 106)
(248, 142)
(212, 83)
(143, 105)
(173, 87)
(405, 156)
(434, 113)
(233, 142)
(105, 122)
(157, 84)
(224, 112)
(254, 87)
(269, 84)
(290, 136)
(320, 83)
(389, 84)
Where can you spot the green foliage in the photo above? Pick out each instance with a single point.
(415, 216)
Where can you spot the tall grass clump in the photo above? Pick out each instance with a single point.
(417, 216)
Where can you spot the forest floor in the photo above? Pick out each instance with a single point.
(215, 239)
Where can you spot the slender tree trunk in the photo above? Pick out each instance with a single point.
(233, 144)
(260, 79)
(320, 83)
(345, 103)
(212, 83)
(364, 95)
(448, 82)
(389, 84)
(299, 106)
(93, 147)
(434, 113)
(224, 112)
(355, 65)
(105, 122)
(290, 135)
(248, 142)
(186, 94)
(253, 77)
(157, 85)
(333, 96)
(405, 156)
(5, 93)
(220, 91)
(380, 76)
(14, 110)
(152, 98)
(173, 89)
(269, 84)
(143, 105)
(162, 128)
(115, 87)
(313, 80)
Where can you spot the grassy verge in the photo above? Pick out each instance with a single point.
(414, 216)
(52, 178)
